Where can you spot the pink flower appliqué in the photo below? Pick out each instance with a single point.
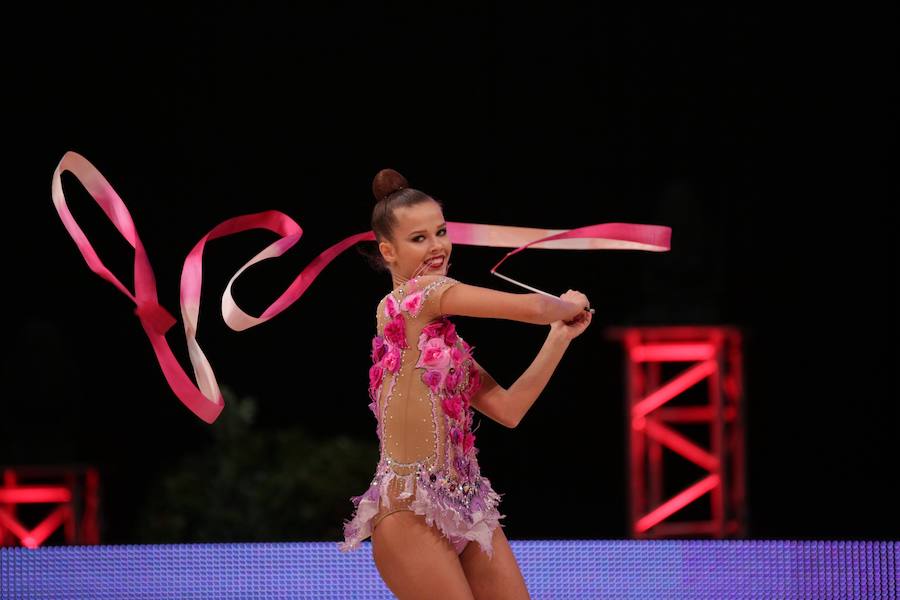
(375, 374)
(391, 360)
(449, 408)
(412, 303)
(468, 441)
(457, 356)
(391, 308)
(378, 348)
(451, 382)
(433, 380)
(395, 331)
(435, 354)
(450, 334)
(433, 329)
(453, 405)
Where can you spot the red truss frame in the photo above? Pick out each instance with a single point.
(713, 356)
(72, 493)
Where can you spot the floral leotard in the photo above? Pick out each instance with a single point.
(421, 381)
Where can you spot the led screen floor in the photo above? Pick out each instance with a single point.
(553, 569)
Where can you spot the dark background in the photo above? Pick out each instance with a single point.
(759, 137)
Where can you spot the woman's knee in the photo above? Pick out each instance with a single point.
(416, 560)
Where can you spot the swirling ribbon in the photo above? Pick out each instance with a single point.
(205, 399)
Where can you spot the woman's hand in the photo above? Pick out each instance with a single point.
(570, 330)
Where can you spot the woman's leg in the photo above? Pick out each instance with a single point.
(417, 561)
(497, 577)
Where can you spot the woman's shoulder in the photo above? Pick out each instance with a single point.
(420, 287)
(422, 282)
(427, 286)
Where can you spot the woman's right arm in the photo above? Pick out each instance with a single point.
(474, 301)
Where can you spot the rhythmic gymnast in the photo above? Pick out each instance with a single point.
(428, 499)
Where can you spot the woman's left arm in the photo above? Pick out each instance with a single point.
(508, 407)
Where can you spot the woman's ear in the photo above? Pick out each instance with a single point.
(387, 251)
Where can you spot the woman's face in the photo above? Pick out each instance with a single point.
(419, 237)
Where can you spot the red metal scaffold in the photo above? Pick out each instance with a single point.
(72, 490)
(713, 355)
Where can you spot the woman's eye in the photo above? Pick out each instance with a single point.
(440, 231)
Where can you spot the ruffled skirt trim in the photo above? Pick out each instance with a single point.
(469, 514)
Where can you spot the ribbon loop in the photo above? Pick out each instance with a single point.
(155, 319)
(206, 400)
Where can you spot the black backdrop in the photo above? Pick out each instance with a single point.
(733, 126)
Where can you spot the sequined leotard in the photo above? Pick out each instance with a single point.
(420, 383)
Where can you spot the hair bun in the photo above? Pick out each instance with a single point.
(386, 182)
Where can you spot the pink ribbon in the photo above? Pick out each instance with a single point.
(205, 398)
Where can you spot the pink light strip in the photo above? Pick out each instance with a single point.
(677, 385)
(682, 445)
(676, 503)
(34, 495)
(672, 352)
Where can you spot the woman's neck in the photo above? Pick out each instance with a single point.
(399, 280)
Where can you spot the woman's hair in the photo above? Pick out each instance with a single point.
(391, 191)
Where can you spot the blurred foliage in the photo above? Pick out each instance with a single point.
(252, 485)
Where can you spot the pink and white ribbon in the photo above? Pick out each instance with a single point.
(204, 398)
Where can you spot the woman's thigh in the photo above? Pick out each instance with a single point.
(415, 560)
(496, 577)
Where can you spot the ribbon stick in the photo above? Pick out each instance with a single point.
(605, 236)
(205, 398)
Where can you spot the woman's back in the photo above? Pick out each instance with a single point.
(410, 428)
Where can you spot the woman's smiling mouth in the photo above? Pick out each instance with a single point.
(435, 263)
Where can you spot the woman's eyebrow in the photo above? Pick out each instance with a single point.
(423, 231)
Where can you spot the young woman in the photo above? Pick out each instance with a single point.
(428, 499)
